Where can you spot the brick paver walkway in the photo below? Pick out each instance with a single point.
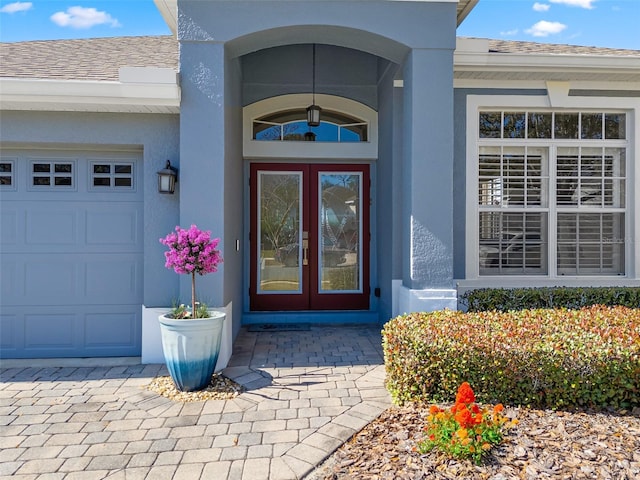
(307, 393)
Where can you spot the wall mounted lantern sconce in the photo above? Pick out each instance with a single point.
(167, 178)
(313, 110)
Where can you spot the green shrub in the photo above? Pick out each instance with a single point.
(505, 299)
(541, 358)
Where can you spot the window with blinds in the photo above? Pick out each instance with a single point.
(551, 193)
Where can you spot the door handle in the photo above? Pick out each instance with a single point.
(305, 248)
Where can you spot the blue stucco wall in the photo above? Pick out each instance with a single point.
(202, 153)
(427, 212)
(156, 135)
(352, 24)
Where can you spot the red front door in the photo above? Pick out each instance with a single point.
(309, 237)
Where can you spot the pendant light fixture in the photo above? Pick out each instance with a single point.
(313, 110)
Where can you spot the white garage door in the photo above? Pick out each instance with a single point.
(71, 236)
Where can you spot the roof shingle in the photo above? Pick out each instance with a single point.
(86, 59)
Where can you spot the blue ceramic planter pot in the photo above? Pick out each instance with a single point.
(191, 348)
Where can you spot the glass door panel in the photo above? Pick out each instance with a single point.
(340, 202)
(279, 232)
(309, 237)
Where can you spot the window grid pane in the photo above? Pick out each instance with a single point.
(513, 243)
(590, 177)
(112, 175)
(6, 173)
(590, 243)
(52, 174)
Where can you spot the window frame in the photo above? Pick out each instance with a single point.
(52, 174)
(11, 175)
(478, 103)
(112, 175)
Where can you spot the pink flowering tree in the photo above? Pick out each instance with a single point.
(192, 251)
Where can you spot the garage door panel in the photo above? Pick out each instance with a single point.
(10, 282)
(58, 331)
(72, 279)
(117, 226)
(109, 330)
(50, 330)
(31, 227)
(8, 228)
(52, 228)
(49, 281)
(114, 277)
(9, 329)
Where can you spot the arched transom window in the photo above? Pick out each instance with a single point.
(291, 125)
(277, 128)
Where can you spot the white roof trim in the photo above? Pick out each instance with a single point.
(137, 95)
(542, 84)
(473, 54)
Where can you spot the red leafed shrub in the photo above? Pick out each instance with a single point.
(542, 358)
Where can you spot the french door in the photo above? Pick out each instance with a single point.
(309, 237)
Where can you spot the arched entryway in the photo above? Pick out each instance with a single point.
(310, 204)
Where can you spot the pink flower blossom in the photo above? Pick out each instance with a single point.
(192, 251)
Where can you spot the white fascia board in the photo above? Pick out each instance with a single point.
(542, 84)
(169, 11)
(465, 60)
(37, 94)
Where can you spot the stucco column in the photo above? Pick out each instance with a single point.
(427, 203)
(202, 152)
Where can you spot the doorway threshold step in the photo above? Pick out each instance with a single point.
(318, 317)
(279, 327)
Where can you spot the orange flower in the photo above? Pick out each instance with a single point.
(462, 433)
(478, 419)
(465, 394)
(433, 409)
(463, 417)
(432, 437)
(498, 408)
(475, 409)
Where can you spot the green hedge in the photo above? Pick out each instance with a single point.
(505, 299)
(541, 358)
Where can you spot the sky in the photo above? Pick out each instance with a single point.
(601, 23)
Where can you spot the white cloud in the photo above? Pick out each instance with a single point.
(16, 7)
(509, 33)
(576, 3)
(81, 17)
(541, 7)
(544, 28)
